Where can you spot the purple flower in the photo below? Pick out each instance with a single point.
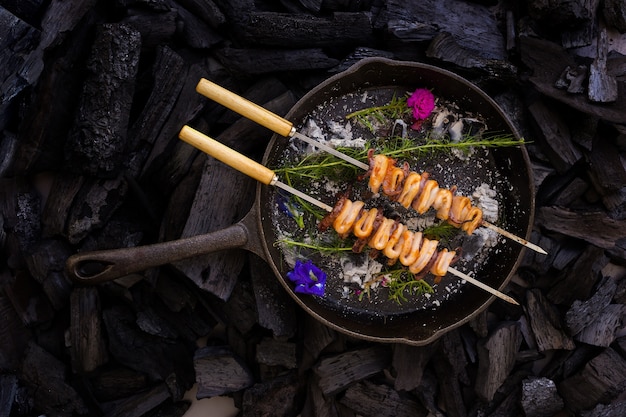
(422, 102)
(308, 278)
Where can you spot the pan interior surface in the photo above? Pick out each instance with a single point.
(418, 319)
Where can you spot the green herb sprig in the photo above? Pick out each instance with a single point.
(395, 109)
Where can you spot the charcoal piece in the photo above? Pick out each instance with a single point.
(8, 150)
(97, 143)
(337, 372)
(276, 310)
(555, 132)
(14, 334)
(583, 313)
(28, 299)
(571, 193)
(317, 404)
(281, 396)
(196, 32)
(18, 43)
(593, 227)
(614, 12)
(447, 48)
(602, 86)
(8, 390)
(93, 206)
(138, 405)
(206, 10)
(409, 363)
(217, 273)
(41, 369)
(285, 30)
(263, 61)
(60, 198)
(615, 409)
(576, 281)
(496, 358)
(603, 330)
(359, 54)
(219, 371)
(572, 79)
(369, 399)
(601, 380)
(88, 350)
(540, 397)
(272, 352)
(546, 61)
(241, 308)
(450, 366)
(156, 28)
(562, 14)
(546, 324)
(157, 357)
(317, 338)
(117, 383)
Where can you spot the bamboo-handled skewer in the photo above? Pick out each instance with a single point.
(285, 128)
(266, 176)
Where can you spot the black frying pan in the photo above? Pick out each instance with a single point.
(414, 322)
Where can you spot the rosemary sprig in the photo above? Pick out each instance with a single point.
(327, 248)
(401, 281)
(395, 109)
(317, 166)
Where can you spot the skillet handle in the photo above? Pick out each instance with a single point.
(245, 107)
(106, 265)
(227, 155)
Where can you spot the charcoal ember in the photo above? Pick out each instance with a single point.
(540, 397)
(97, 142)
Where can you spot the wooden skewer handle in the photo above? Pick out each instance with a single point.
(245, 107)
(227, 155)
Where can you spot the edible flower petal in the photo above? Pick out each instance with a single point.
(308, 278)
(422, 101)
(290, 208)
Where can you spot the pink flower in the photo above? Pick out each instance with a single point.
(422, 102)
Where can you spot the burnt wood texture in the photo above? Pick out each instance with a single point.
(92, 96)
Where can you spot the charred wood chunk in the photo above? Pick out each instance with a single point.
(339, 371)
(93, 206)
(305, 31)
(615, 409)
(602, 332)
(576, 281)
(159, 358)
(593, 227)
(263, 61)
(156, 28)
(206, 10)
(261, 399)
(496, 358)
(139, 404)
(116, 383)
(540, 397)
(409, 363)
(557, 140)
(97, 143)
(276, 310)
(562, 13)
(46, 263)
(88, 350)
(450, 368)
(60, 198)
(219, 371)
(42, 369)
(601, 380)
(614, 12)
(317, 404)
(546, 324)
(8, 390)
(28, 299)
(602, 85)
(13, 333)
(317, 338)
(272, 352)
(369, 399)
(583, 313)
(196, 32)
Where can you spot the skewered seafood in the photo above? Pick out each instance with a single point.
(418, 191)
(388, 236)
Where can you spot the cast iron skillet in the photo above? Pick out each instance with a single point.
(255, 232)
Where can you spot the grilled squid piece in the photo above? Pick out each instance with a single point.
(411, 189)
(390, 237)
